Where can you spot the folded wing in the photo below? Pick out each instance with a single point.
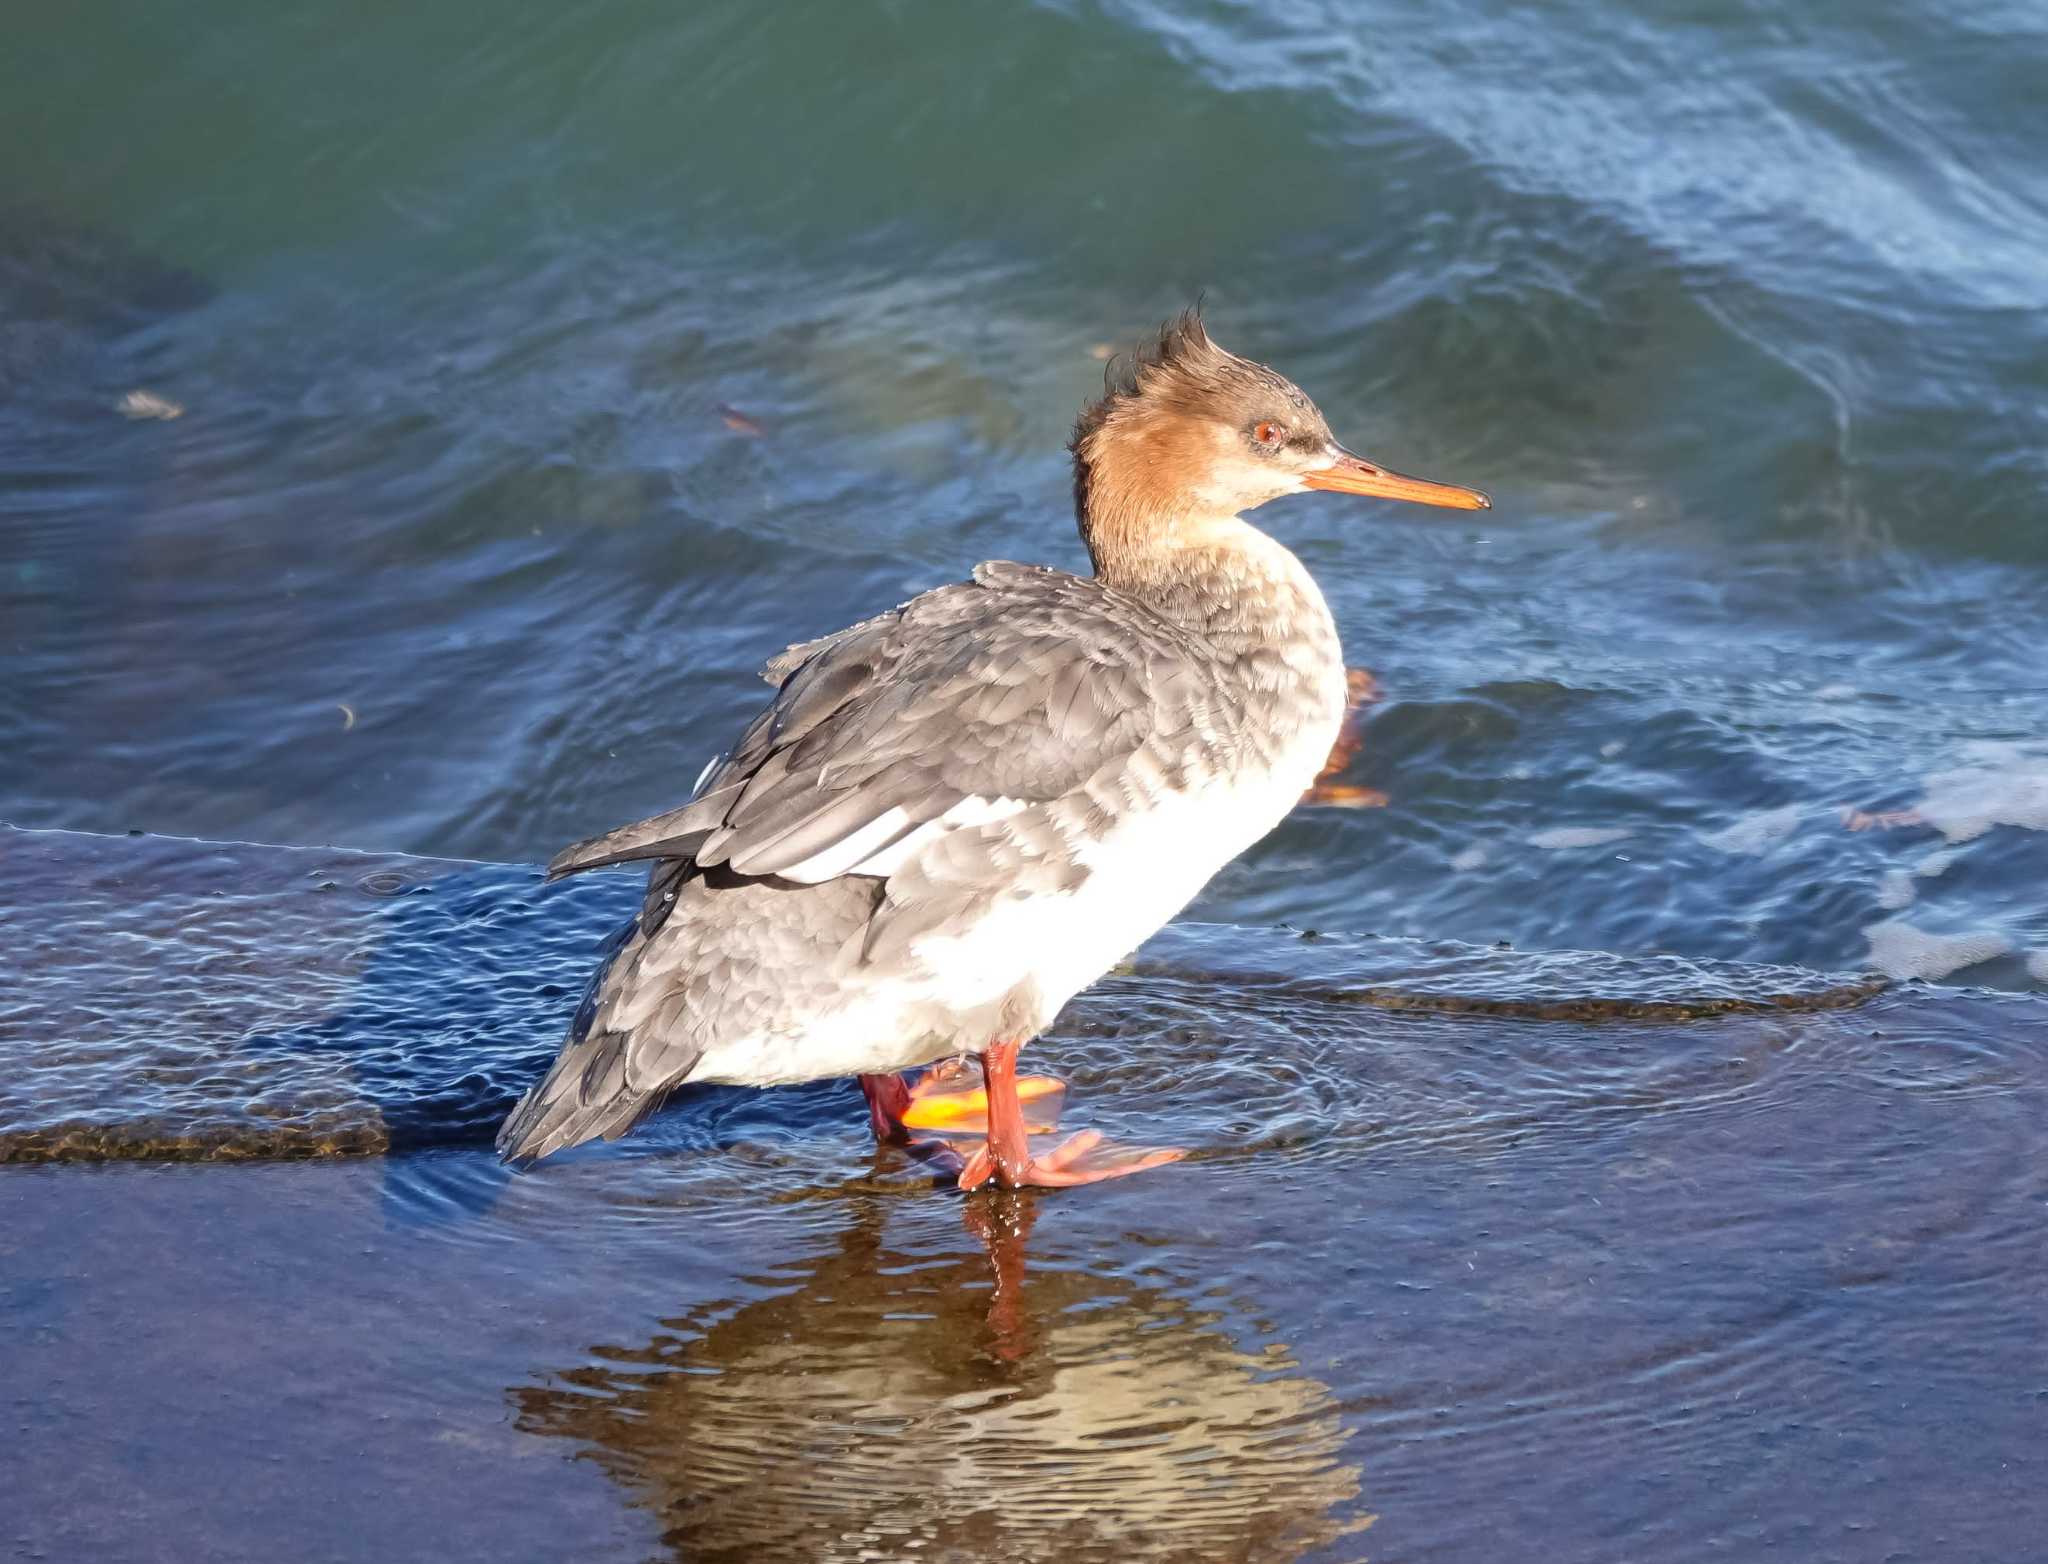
(1025, 696)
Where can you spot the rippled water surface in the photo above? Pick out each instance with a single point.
(1634, 1256)
(416, 428)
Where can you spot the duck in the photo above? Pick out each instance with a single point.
(953, 816)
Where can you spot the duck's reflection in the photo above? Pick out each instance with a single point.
(941, 1398)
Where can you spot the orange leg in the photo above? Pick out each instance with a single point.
(898, 1106)
(934, 1102)
(889, 1099)
(1363, 689)
(888, 1096)
(1006, 1156)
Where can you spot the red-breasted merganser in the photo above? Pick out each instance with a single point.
(954, 816)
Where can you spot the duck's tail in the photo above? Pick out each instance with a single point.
(591, 1090)
(585, 1095)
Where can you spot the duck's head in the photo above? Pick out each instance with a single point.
(1187, 434)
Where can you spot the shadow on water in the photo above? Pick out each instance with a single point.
(222, 1000)
(897, 1394)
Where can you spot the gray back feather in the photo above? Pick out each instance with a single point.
(1049, 698)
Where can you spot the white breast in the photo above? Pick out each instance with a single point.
(1155, 860)
(1044, 945)
(1139, 875)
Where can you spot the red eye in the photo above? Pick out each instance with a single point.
(1268, 433)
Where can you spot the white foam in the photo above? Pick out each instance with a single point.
(1936, 864)
(1896, 890)
(2008, 787)
(2037, 965)
(1566, 836)
(1753, 833)
(1611, 748)
(1899, 950)
(147, 404)
(1472, 857)
(1835, 692)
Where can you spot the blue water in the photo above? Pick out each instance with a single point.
(1735, 313)
(416, 428)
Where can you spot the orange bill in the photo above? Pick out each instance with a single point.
(1354, 475)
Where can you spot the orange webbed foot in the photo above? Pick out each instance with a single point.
(964, 1110)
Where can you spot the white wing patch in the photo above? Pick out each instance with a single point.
(882, 846)
(849, 854)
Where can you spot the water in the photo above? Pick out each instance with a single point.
(1636, 1254)
(535, 378)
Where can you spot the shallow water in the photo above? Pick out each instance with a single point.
(1638, 1256)
(415, 433)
